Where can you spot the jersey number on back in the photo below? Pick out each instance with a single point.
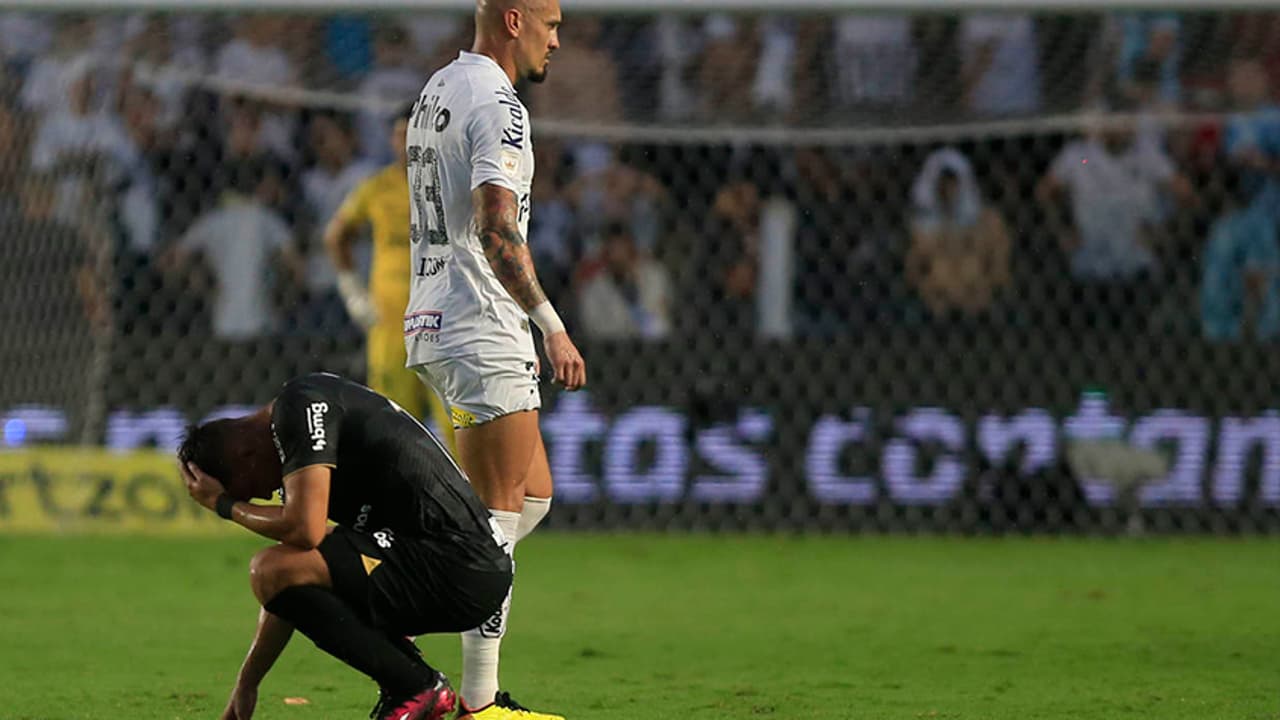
(424, 187)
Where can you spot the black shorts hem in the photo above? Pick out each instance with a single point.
(412, 585)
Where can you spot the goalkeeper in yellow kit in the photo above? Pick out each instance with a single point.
(382, 204)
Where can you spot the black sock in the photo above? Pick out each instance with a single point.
(334, 627)
(408, 647)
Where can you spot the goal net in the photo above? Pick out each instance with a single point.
(968, 272)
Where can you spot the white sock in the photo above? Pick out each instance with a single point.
(535, 509)
(510, 524)
(480, 646)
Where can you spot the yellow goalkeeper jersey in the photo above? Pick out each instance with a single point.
(382, 201)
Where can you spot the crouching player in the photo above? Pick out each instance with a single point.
(414, 550)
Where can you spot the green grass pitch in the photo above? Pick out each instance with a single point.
(631, 627)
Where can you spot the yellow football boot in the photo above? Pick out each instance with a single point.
(503, 708)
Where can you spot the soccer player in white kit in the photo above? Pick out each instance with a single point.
(474, 289)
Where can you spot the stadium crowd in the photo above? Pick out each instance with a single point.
(162, 182)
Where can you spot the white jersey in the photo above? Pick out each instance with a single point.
(468, 128)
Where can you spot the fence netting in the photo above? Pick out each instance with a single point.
(976, 272)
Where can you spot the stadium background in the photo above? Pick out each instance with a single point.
(794, 354)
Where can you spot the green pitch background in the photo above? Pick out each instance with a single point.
(648, 627)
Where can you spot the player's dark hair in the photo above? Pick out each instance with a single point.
(211, 446)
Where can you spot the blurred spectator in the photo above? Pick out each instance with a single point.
(785, 89)
(140, 192)
(241, 124)
(55, 266)
(811, 86)
(959, 257)
(86, 148)
(874, 61)
(13, 141)
(24, 36)
(1142, 97)
(730, 55)
(188, 38)
(624, 293)
(47, 81)
(348, 45)
(844, 237)
(302, 37)
(436, 34)
(148, 214)
(1240, 282)
(773, 89)
(1257, 34)
(337, 172)
(1075, 59)
(393, 80)
(677, 44)
(582, 80)
(1252, 137)
(632, 43)
(256, 57)
(162, 67)
(730, 273)
(245, 244)
(239, 148)
(337, 168)
(1116, 191)
(1151, 38)
(606, 188)
(1000, 64)
(552, 226)
(110, 42)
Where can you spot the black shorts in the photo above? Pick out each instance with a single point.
(414, 585)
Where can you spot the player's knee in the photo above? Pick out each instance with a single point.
(280, 566)
(271, 571)
(262, 569)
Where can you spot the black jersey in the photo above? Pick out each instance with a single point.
(389, 472)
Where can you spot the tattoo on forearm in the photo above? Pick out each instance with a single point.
(505, 248)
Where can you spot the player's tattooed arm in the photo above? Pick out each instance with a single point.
(497, 220)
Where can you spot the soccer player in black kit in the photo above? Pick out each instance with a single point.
(414, 550)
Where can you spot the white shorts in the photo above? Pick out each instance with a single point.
(478, 389)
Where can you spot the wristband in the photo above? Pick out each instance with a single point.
(224, 505)
(545, 317)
